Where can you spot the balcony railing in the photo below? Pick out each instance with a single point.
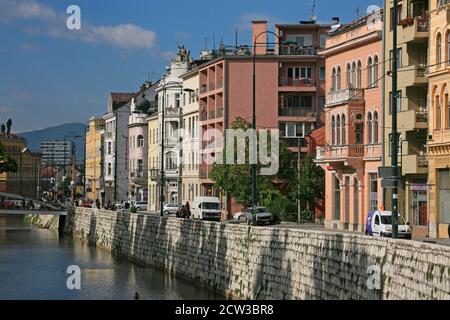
(212, 115)
(422, 116)
(291, 82)
(203, 88)
(295, 50)
(295, 112)
(154, 174)
(203, 115)
(109, 135)
(220, 112)
(212, 86)
(174, 112)
(344, 96)
(138, 174)
(372, 150)
(219, 83)
(339, 153)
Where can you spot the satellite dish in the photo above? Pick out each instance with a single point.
(314, 18)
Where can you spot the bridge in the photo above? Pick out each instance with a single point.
(13, 204)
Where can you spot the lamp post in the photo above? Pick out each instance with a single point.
(255, 43)
(24, 150)
(163, 110)
(73, 136)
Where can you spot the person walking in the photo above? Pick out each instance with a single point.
(97, 203)
(188, 210)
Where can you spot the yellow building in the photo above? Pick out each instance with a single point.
(439, 130)
(154, 165)
(412, 45)
(26, 180)
(94, 183)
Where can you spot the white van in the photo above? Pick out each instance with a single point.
(379, 223)
(206, 208)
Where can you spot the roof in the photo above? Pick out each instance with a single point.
(354, 24)
(122, 96)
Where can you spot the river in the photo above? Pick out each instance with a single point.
(34, 262)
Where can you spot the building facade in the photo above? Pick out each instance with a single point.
(56, 153)
(353, 113)
(116, 147)
(93, 179)
(190, 144)
(412, 46)
(439, 121)
(26, 181)
(290, 81)
(154, 164)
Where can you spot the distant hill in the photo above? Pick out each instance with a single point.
(34, 138)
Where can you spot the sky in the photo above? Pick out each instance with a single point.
(51, 75)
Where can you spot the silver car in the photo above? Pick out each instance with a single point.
(262, 215)
(171, 208)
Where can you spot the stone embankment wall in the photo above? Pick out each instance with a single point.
(271, 263)
(43, 221)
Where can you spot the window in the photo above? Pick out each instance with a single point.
(438, 112)
(333, 80)
(109, 147)
(438, 49)
(399, 101)
(375, 72)
(338, 79)
(354, 74)
(322, 73)
(333, 131)
(336, 199)
(359, 133)
(140, 141)
(109, 169)
(373, 189)
(344, 133)
(140, 165)
(298, 102)
(399, 58)
(369, 72)
(375, 127)
(369, 128)
(323, 39)
(348, 77)
(448, 110)
(295, 130)
(358, 75)
(177, 100)
(444, 195)
(338, 130)
(299, 72)
(399, 15)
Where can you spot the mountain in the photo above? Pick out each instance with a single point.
(34, 138)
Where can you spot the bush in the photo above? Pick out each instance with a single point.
(307, 216)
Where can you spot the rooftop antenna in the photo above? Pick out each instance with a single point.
(236, 37)
(313, 17)
(357, 12)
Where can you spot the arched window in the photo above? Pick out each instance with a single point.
(338, 79)
(447, 49)
(438, 49)
(369, 72)
(369, 128)
(358, 75)
(333, 132)
(344, 139)
(447, 108)
(338, 130)
(354, 73)
(375, 71)
(333, 80)
(375, 127)
(438, 112)
(348, 76)
(140, 141)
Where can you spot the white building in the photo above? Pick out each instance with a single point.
(56, 153)
(116, 147)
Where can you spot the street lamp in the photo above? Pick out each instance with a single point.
(162, 181)
(255, 43)
(24, 150)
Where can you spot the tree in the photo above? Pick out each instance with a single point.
(309, 185)
(3, 128)
(235, 179)
(8, 126)
(7, 163)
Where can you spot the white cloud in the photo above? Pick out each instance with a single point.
(53, 24)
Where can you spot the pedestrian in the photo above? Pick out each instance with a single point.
(188, 209)
(97, 203)
(183, 212)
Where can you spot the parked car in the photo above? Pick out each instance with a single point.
(141, 205)
(206, 208)
(171, 208)
(379, 224)
(263, 216)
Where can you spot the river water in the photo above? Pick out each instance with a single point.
(34, 262)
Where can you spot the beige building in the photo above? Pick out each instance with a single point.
(191, 186)
(154, 166)
(26, 180)
(94, 187)
(413, 32)
(439, 124)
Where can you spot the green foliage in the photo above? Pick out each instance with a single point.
(3, 128)
(309, 185)
(8, 126)
(7, 163)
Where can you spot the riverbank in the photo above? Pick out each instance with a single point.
(265, 263)
(50, 222)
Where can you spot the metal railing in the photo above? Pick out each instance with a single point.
(295, 50)
(174, 112)
(340, 152)
(138, 174)
(344, 96)
(292, 82)
(295, 112)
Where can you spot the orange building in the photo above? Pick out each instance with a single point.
(353, 150)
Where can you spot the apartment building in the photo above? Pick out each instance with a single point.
(56, 153)
(115, 146)
(154, 164)
(412, 25)
(190, 143)
(353, 113)
(94, 182)
(439, 120)
(290, 80)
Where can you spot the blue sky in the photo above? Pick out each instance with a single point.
(50, 75)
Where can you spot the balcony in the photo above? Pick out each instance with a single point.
(296, 112)
(412, 120)
(411, 76)
(138, 175)
(212, 115)
(414, 164)
(212, 86)
(171, 142)
(295, 50)
(154, 174)
(301, 83)
(373, 151)
(172, 173)
(336, 154)
(219, 83)
(413, 29)
(220, 112)
(109, 135)
(203, 88)
(345, 96)
(174, 112)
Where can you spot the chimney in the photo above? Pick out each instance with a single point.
(259, 27)
(335, 20)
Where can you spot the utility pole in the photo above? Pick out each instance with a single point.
(394, 134)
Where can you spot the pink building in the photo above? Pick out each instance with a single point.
(353, 151)
(290, 82)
